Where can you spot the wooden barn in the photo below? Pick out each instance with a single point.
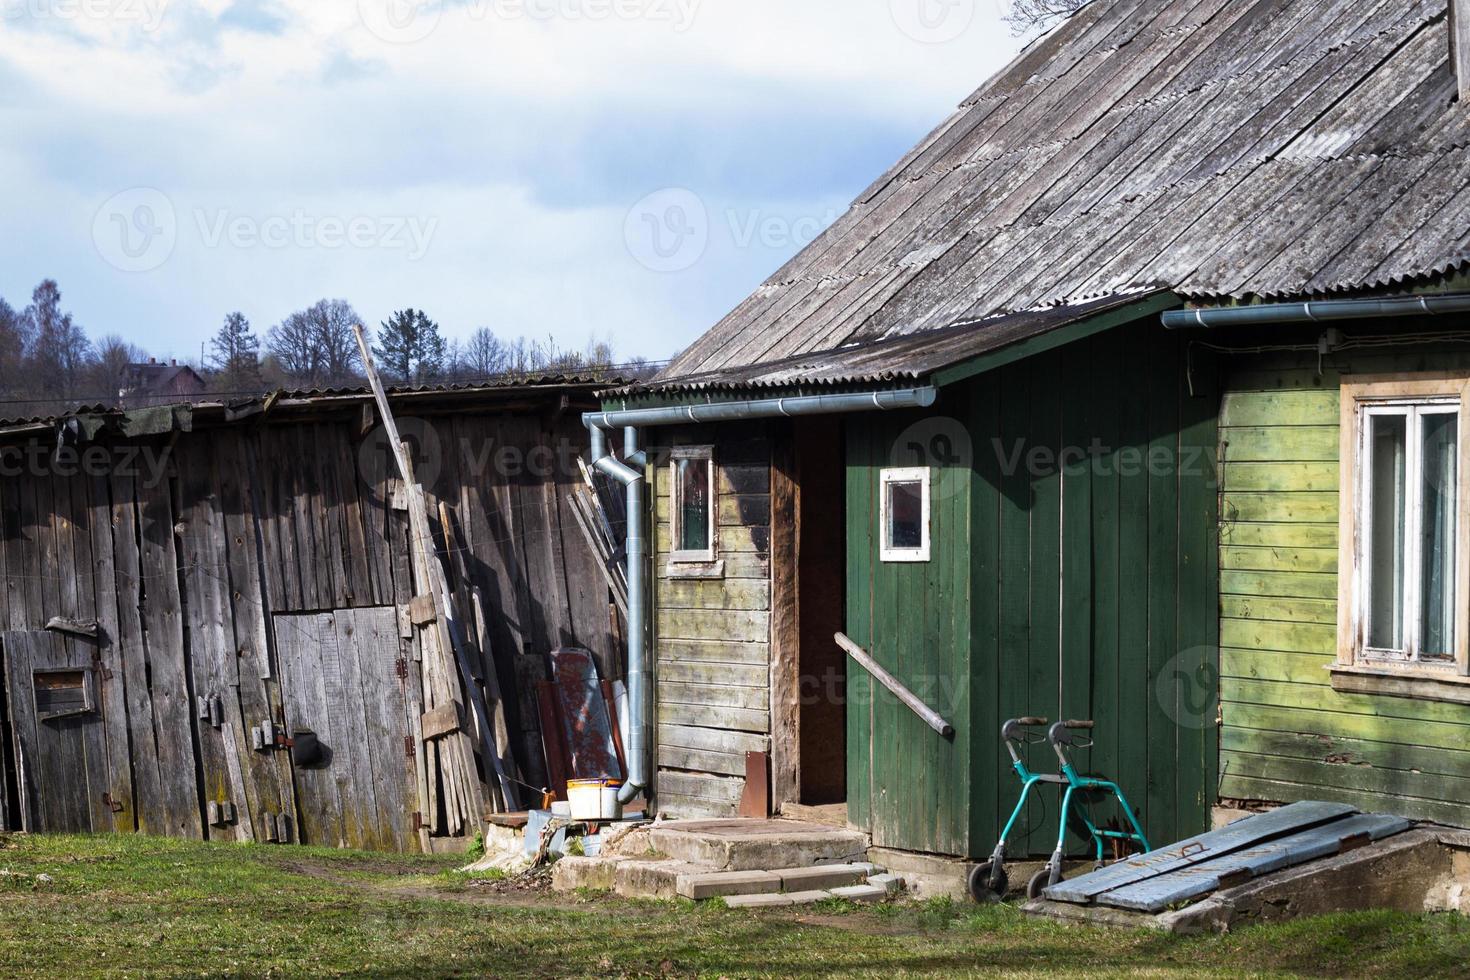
(1135, 392)
(215, 623)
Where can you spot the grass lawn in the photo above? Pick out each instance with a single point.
(145, 906)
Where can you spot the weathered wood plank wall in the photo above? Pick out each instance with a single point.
(1287, 734)
(712, 635)
(200, 567)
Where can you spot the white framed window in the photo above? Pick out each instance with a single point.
(903, 514)
(693, 504)
(1404, 562)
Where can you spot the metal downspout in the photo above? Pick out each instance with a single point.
(628, 471)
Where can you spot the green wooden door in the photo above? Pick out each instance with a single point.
(906, 784)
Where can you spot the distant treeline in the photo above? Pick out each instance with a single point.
(47, 360)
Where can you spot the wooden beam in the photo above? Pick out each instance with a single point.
(918, 707)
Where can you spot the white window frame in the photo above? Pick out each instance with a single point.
(913, 474)
(1359, 667)
(707, 555)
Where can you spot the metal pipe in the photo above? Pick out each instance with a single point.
(765, 408)
(629, 472)
(1327, 310)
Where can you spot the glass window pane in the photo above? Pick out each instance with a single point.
(906, 514)
(1439, 452)
(691, 477)
(1387, 445)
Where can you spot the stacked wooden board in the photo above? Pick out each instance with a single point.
(1245, 850)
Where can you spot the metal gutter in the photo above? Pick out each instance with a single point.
(1319, 312)
(629, 472)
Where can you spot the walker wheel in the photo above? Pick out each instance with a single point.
(1038, 883)
(980, 883)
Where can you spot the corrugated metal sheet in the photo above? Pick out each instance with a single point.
(1221, 148)
(896, 359)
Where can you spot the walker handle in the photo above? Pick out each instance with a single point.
(1080, 725)
(1032, 722)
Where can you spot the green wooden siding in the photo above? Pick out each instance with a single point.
(1287, 734)
(1084, 589)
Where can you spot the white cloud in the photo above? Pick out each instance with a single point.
(525, 138)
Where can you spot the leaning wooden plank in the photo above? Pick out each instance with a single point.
(1186, 884)
(419, 518)
(1217, 843)
(16, 647)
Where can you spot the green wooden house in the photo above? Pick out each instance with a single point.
(1136, 392)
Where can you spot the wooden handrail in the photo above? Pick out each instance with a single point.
(930, 716)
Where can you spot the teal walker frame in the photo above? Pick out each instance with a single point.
(989, 881)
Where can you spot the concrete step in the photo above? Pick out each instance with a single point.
(823, 877)
(755, 845)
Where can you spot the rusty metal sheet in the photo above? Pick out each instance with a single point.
(585, 723)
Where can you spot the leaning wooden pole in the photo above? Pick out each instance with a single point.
(418, 518)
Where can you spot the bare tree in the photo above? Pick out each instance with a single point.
(482, 355)
(316, 346)
(14, 339)
(113, 354)
(60, 350)
(1025, 16)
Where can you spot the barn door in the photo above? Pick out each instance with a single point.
(55, 707)
(345, 710)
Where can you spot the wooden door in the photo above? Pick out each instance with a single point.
(55, 706)
(340, 680)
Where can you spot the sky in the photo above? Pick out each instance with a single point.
(626, 170)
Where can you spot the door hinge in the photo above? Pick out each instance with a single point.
(113, 805)
(408, 750)
(402, 667)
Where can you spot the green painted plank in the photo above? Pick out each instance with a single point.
(1246, 788)
(1275, 665)
(1335, 724)
(1348, 752)
(1305, 507)
(1046, 529)
(1104, 359)
(861, 517)
(1249, 408)
(1315, 638)
(1199, 622)
(1281, 585)
(1254, 559)
(986, 652)
(1281, 443)
(1136, 692)
(1280, 476)
(1367, 779)
(1280, 535)
(1160, 796)
(1297, 695)
(1318, 611)
(1078, 427)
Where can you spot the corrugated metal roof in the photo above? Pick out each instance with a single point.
(897, 359)
(505, 385)
(1220, 148)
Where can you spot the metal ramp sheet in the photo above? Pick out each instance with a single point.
(1186, 884)
(1217, 843)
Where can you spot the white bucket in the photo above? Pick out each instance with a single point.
(594, 799)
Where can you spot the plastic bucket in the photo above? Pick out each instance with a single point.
(594, 799)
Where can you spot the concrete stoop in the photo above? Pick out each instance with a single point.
(748, 863)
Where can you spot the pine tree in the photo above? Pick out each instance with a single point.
(237, 355)
(409, 347)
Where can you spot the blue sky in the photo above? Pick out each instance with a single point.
(625, 169)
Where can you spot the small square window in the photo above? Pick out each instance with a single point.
(693, 503)
(62, 693)
(904, 515)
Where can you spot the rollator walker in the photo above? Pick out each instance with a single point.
(989, 882)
